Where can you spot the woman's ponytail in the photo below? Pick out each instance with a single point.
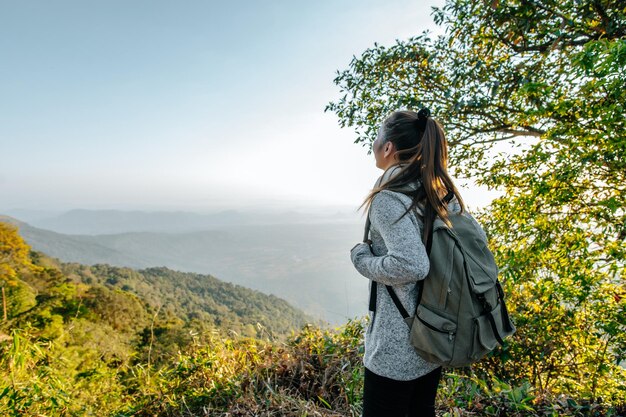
(438, 186)
(422, 146)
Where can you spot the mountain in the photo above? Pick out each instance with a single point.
(306, 264)
(127, 301)
(97, 333)
(73, 248)
(188, 296)
(91, 222)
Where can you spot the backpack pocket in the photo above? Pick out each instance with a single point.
(485, 340)
(440, 274)
(481, 266)
(433, 336)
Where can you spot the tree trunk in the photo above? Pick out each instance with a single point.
(4, 304)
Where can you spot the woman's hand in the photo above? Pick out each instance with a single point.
(360, 249)
(405, 260)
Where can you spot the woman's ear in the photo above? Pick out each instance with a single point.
(390, 148)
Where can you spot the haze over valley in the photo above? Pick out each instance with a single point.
(301, 257)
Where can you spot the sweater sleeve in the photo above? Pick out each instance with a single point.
(406, 259)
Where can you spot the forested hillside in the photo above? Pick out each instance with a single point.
(105, 341)
(306, 264)
(197, 298)
(121, 311)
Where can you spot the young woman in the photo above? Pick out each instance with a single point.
(412, 150)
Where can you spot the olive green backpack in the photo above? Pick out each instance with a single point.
(461, 315)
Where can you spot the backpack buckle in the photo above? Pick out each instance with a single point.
(486, 305)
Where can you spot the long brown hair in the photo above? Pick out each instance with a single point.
(422, 150)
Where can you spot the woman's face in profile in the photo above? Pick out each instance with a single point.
(378, 148)
(377, 145)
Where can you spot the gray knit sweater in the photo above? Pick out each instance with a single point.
(399, 259)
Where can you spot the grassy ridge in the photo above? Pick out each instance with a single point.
(104, 341)
(315, 373)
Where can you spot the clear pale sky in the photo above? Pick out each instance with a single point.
(185, 105)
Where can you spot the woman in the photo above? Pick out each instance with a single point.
(412, 150)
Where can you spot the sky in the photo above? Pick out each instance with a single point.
(194, 105)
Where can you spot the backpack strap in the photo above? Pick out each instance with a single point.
(390, 290)
(487, 308)
(428, 242)
(506, 320)
(494, 328)
(429, 246)
(373, 287)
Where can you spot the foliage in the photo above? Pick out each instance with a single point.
(78, 352)
(532, 96)
(14, 259)
(316, 373)
(14, 254)
(90, 349)
(40, 378)
(185, 297)
(468, 395)
(85, 331)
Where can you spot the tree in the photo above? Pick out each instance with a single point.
(531, 94)
(14, 258)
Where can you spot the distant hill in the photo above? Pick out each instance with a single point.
(306, 264)
(91, 222)
(190, 296)
(126, 299)
(125, 316)
(74, 248)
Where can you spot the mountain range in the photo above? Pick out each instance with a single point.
(307, 264)
(90, 222)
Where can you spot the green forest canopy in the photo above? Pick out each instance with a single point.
(114, 341)
(80, 339)
(155, 306)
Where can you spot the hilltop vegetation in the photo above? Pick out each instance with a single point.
(196, 298)
(121, 312)
(80, 341)
(305, 264)
(92, 340)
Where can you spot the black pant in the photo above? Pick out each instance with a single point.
(384, 397)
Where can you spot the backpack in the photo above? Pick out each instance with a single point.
(460, 312)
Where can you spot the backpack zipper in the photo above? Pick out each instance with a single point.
(430, 326)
